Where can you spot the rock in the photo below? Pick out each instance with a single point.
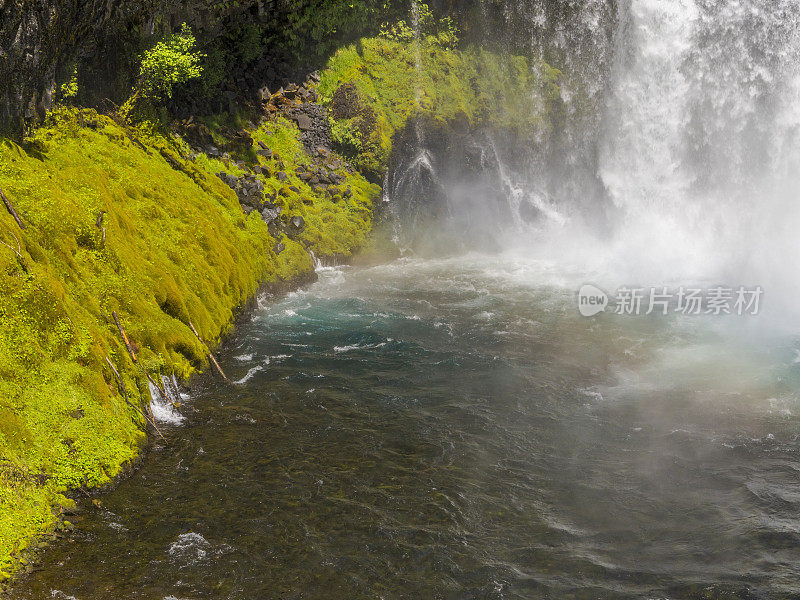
(298, 223)
(263, 145)
(279, 247)
(304, 122)
(265, 152)
(264, 94)
(282, 176)
(270, 214)
(295, 189)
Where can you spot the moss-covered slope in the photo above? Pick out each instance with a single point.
(376, 86)
(125, 221)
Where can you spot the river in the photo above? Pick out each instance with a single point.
(454, 428)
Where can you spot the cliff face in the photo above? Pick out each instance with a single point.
(40, 44)
(247, 43)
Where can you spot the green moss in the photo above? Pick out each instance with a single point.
(396, 81)
(177, 248)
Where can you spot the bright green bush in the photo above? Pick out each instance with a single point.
(170, 63)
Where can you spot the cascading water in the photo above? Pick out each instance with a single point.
(695, 141)
(678, 156)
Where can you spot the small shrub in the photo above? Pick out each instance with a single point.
(170, 63)
(441, 32)
(69, 90)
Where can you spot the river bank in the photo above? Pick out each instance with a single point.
(137, 245)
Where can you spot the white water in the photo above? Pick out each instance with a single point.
(699, 142)
(693, 147)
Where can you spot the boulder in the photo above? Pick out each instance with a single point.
(270, 214)
(304, 122)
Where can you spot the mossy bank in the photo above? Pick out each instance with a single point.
(134, 221)
(124, 221)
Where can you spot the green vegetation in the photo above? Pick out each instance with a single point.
(171, 63)
(168, 64)
(126, 220)
(376, 86)
(441, 32)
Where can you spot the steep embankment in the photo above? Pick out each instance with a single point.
(126, 221)
(137, 222)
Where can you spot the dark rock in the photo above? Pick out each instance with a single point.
(298, 223)
(282, 176)
(279, 247)
(304, 122)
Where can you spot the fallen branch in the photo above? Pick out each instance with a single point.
(124, 391)
(135, 360)
(10, 208)
(124, 337)
(210, 354)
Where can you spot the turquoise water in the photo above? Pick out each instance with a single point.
(455, 429)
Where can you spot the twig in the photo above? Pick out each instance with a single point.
(17, 251)
(124, 337)
(124, 390)
(11, 210)
(210, 354)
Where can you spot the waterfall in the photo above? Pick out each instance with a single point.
(698, 150)
(680, 148)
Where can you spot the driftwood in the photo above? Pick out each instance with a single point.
(124, 391)
(210, 354)
(10, 208)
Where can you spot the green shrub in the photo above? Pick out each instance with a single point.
(346, 135)
(170, 63)
(69, 90)
(442, 32)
